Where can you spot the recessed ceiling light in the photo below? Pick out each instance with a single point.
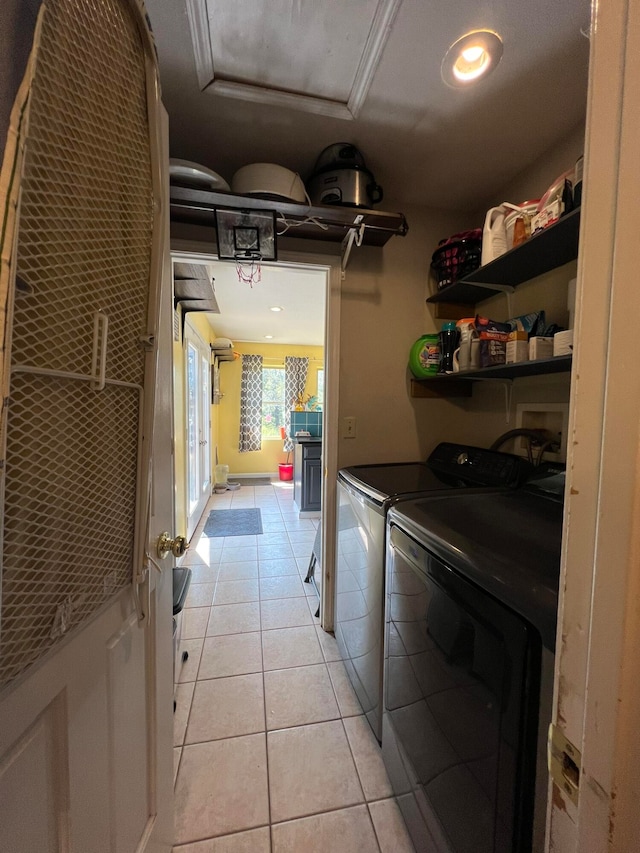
(268, 336)
(471, 57)
(276, 308)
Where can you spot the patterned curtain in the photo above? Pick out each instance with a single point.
(295, 379)
(251, 404)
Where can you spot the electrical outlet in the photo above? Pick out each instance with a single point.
(349, 428)
(553, 417)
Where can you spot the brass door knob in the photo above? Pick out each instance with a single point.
(166, 545)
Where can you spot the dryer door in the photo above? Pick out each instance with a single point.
(460, 707)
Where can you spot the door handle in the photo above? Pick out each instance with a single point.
(166, 545)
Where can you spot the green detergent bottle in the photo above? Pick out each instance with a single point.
(424, 358)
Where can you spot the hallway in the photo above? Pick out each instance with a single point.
(271, 750)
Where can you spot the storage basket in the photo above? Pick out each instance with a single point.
(457, 256)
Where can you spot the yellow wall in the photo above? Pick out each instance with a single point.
(266, 460)
(201, 325)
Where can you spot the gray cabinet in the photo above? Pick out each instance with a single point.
(307, 475)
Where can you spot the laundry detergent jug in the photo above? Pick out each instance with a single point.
(424, 358)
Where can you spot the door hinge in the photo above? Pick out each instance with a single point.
(565, 763)
(147, 342)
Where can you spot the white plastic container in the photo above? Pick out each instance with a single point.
(494, 236)
(563, 343)
(220, 475)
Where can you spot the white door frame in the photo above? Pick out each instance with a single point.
(195, 251)
(192, 336)
(597, 690)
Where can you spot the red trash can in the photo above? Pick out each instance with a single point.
(285, 471)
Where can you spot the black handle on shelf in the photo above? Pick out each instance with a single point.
(374, 191)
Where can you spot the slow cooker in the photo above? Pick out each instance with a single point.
(341, 177)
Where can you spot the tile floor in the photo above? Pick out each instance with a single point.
(271, 750)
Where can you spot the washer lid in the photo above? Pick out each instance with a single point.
(508, 543)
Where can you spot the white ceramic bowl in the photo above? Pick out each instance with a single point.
(184, 171)
(268, 180)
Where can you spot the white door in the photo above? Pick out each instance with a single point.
(85, 651)
(198, 425)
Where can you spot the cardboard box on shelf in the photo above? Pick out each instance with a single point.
(540, 347)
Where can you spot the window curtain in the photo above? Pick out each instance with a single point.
(295, 380)
(251, 404)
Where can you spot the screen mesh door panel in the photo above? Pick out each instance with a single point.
(84, 245)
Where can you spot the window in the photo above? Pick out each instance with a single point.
(273, 407)
(320, 390)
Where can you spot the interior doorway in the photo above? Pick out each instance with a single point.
(247, 319)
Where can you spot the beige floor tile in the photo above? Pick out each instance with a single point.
(238, 571)
(189, 669)
(277, 538)
(284, 587)
(234, 618)
(253, 841)
(275, 552)
(204, 573)
(310, 770)
(285, 647)
(201, 558)
(302, 536)
(299, 696)
(234, 654)
(302, 550)
(310, 592)
(200, 595)
(221, 788)
(328, 644)
(368, 757)
(345, 694)
(346, 830)
(390, 827)
(240, 541)
(194, 622)
(272, 524)
(292, 522)
(177, 752)
(235, 592)
(226, 707)
(240, 554)
(285, 613)
(183, 697)
(277, 568)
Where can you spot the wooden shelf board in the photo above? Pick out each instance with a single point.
(452, 384)
(198, 207)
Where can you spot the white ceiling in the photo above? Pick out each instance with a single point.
(245, 313)
(380, 61)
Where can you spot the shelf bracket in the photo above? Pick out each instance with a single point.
(353, 235)
(507, 289)
(507, 384)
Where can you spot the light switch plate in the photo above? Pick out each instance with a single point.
(349, 427)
